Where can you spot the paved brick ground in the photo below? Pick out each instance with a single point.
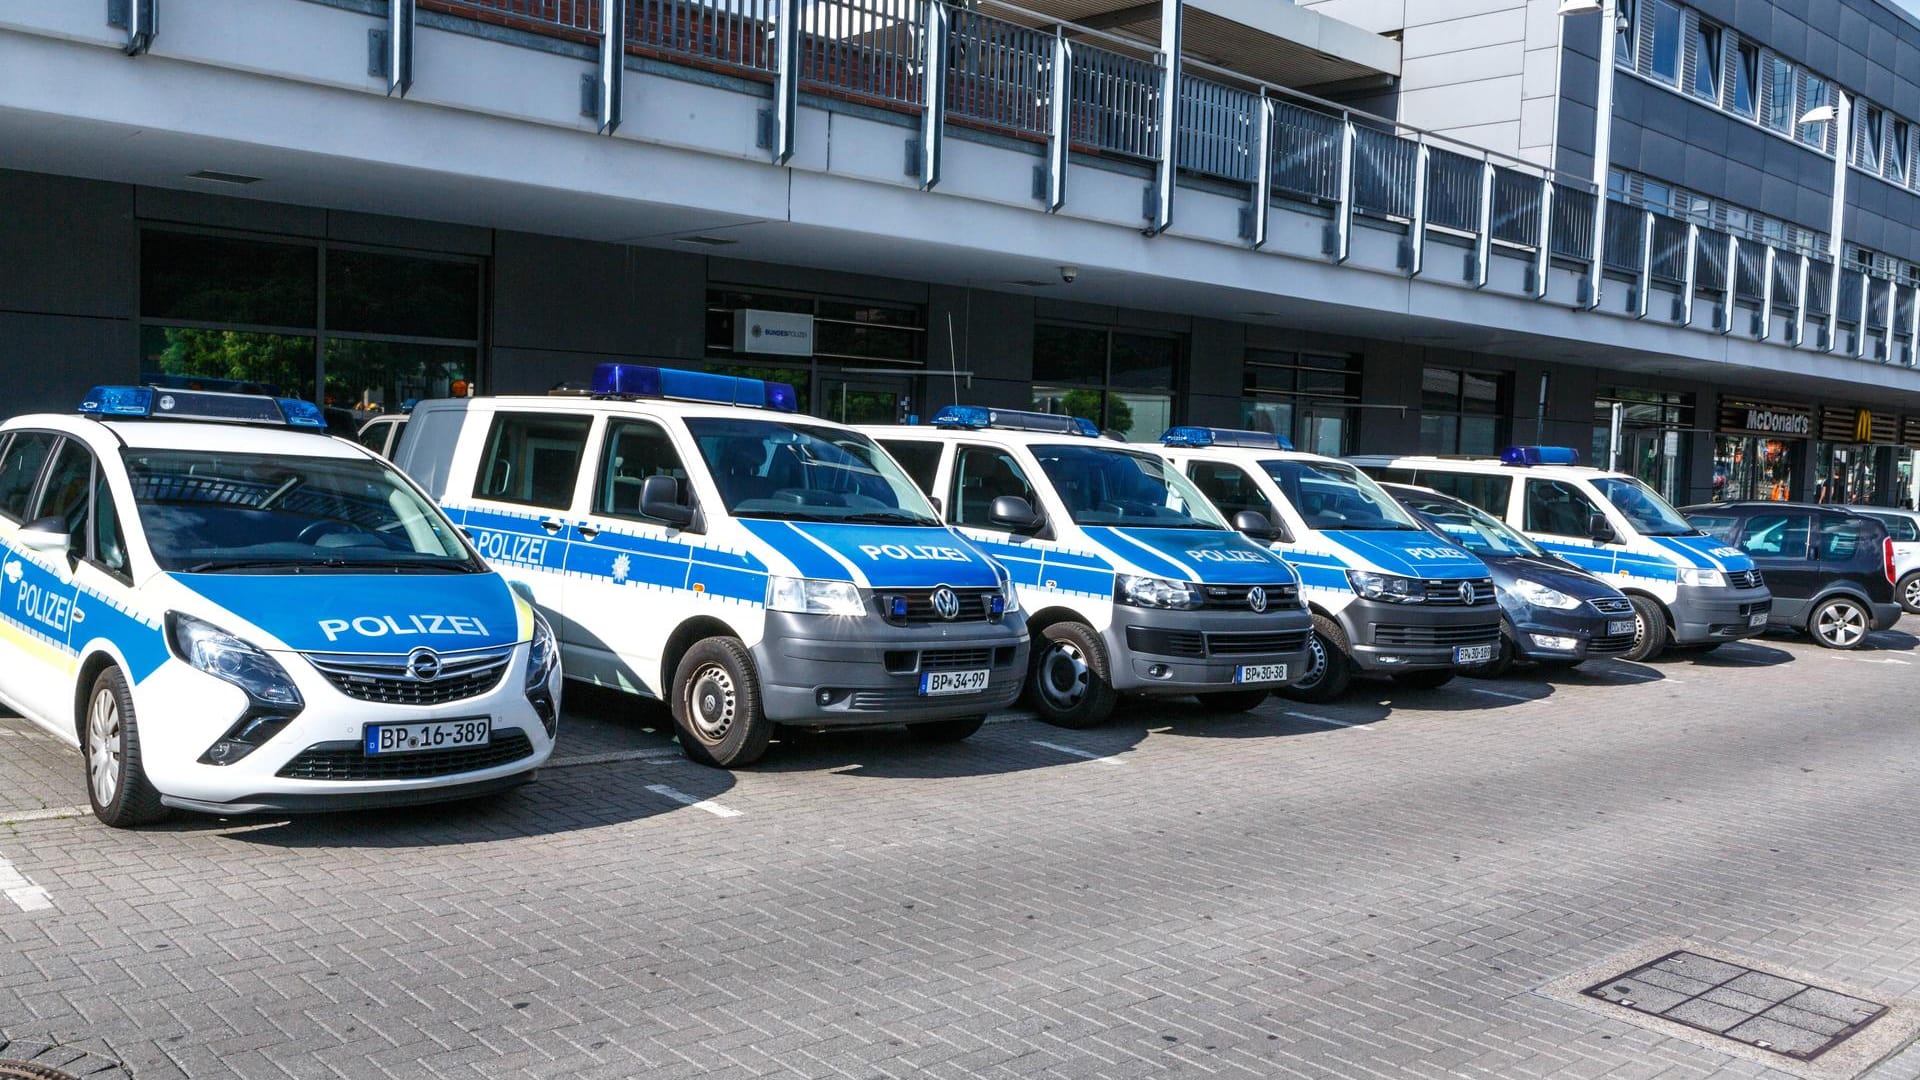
(1261, 896)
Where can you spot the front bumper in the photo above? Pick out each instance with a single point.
(824, 671)
(1702, 615)
(1388, 638)
(1157, 651)
(332, 802)
(1584, 627)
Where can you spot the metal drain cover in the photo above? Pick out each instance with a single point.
(27, 1070)
(1777, 1014)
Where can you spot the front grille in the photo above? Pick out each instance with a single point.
(955, 659)
(1609, 644)
(1762, 608)
(386, 681)
(1234, 597)
(1187, 643)
(1482, 634)
(349, 760)
(1612, 605)
(880, 701)
(1252, 644)
(1446, 593)
(1194, 645)
(974, 605)
(1744, 579)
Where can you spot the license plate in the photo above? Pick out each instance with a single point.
(1758, 618)
(937, 683)
(1472, 654)
(438, 735)
(1621, 626)
(1258, 673)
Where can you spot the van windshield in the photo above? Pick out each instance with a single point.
(208, 513)
(1103, 486)
(796, 471)
(1336, 496)
(1650, 514)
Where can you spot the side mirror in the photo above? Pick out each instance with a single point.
(660, 500)
(1254, 524)
(1600, 529)
(1013, 513)
(46, 534)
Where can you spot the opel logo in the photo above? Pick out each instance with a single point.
(1466, 592)
(1257, 598)
(946, 603)
(423, 665)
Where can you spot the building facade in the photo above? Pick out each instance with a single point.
(1372, 225)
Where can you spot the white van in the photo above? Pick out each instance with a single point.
(694, 540)
(1687, 588)
(1132, 582)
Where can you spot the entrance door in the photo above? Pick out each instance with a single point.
(1323, 431)
(1654, 456)
(865, 399)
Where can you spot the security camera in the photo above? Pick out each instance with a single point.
(1069, 273)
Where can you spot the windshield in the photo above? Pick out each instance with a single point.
(1103, 486)
(1650, 514)
(796, 471)
(1335, 495)
(206, 513)
(1471, 527)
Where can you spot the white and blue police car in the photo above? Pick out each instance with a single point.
(229, 611)
(1687, 588)
(1132, 582)
(694, 539)
(1387, 596)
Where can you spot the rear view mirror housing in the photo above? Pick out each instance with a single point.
(660, 500)
(1601, 530)
(1013, 513)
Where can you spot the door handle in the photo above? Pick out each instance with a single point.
(78, 616)
(551, 526)
(588, 532)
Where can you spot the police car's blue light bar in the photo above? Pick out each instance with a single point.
(1540, 455)
(159, 403)
(1211, 436)
(647, 381)
(977, 417)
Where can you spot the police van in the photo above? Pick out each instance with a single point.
(1686, 587)
(1387, 596)
(695, 540)
(1132, 582)
(229, 611)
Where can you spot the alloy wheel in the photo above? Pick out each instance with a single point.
(103, 746)
(1841, 624)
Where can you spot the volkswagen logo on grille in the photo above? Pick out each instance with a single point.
(946, 603)
(1466, 592)
(423, 664)
(1257, 598)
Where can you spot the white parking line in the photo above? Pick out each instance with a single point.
(25, 894)
(1079, 753)
(694, 801)
(1495, 693)
(51, 813)
(1871, 660)
(1328, 720)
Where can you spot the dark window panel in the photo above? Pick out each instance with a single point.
(230, 360)
(1069, 354)
(378, 293)
(195, 278)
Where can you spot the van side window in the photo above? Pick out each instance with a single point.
(635, 451)
(533, 458)
(1558, 508)
(1489, 493)
(26, 454)
(980, 475)
(1841, 539)
(109, 544)
(921, 460)
(1777, 536)
(1719, 526)
(66, 492)
(1230, 489)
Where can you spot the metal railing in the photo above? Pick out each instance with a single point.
(1306, 152)
(577, 15)
(1116, 102)
(738, 33)
(1626, 233)
(1786, 279)
(1516, 207)
(1819, 287)
(999, 73)
(1572, 222)
(1218, 129)
(868, 48)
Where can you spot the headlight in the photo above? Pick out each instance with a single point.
(1705, 579)
(1539, 595)
(1389, 587)
(232, 660)
(542, 655)
(1155, 592)
(1009, 596)
(805, 596)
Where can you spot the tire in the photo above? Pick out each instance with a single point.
(1331, 669)
(1909, 590)
(1650, 637)
(1069, 683)
(1424, 680)
(1502, 662)
(945, 731)
(1840, 623)
(716, 705)
(117, 783)
(1226, 702)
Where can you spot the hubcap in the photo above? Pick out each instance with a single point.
(1064, 675)
(1913, 593)
(1842, 624)
(1316, 663)
(103, 746)
(711, 702)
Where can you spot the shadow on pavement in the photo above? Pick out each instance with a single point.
(1747, 653)
(997, 749)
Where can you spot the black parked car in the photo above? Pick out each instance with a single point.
(1551, 612)
(1831, 570)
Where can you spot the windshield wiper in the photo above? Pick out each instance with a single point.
(887, 517)
(211, 566)
(214, 566)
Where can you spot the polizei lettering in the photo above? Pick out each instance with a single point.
(913, 553)
(511, 547)
(1435, 553)
(35, 604)
(1210, 555)
(377, 626)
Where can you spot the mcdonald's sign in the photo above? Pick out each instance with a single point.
(1863, 425)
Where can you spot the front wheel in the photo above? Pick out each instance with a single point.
(945, 731)
(110, 738)
(1432, 679)
(716, 705)
(1840, 623)
(1910, 593)
(1069, 684)
(1226, 702)
(1329, 665)
(1649, 630)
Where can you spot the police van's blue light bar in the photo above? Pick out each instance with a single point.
(977, 417)
(159, 403)
(1540, 455)
(647, 381)
(1210, 436)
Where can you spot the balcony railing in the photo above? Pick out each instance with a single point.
(990, 65)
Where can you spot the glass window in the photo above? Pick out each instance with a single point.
(1642, 506)
(65, 494)
(1719, 526)
(1812, 97)
(1627, 32)
(1069, 355)
(1335, 495)
(1706, 60)
(1746, 78)
(1108, 377)
(1777, 536)
(1102, 486)
(920, 459)
(1230, 489)
(1780, 101)
(1460, 412)
(534, 459)
(20, 469)
(1665, 60)
(1489, 493)
(1901, 528)
(376, 378)
(222, 279)
(635, 450)
(1897, 151)
(1841, 539)
(1472, 528)
(380, 293)
(237, 361)
(982, 474)
(109, 546)
(793, 470)
(1869, 130)
(1558, 508)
